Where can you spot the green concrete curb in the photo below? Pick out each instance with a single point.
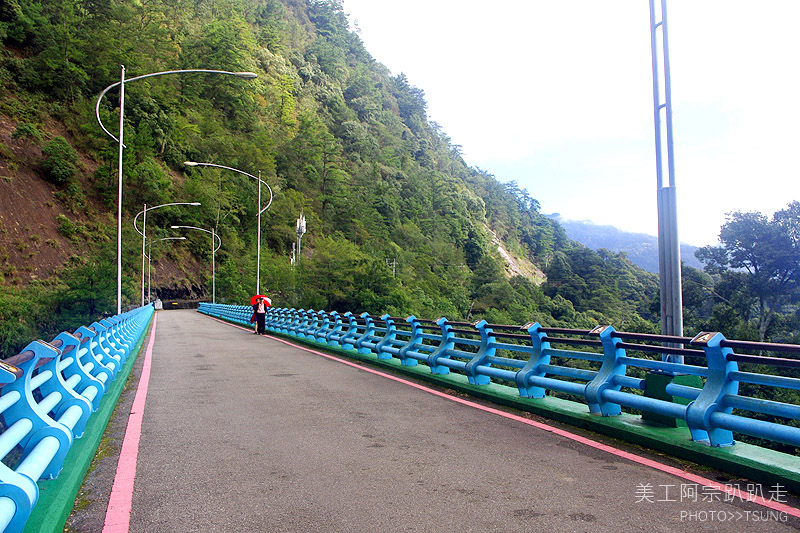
(754, 463)
(57, 496)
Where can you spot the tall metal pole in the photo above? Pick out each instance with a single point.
(149, 258)
(669, 259)
(119, 189)
(213, 267)
(144, 239)
(258, 252)
(300, 230)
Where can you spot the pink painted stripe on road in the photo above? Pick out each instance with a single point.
(118, 514)
(730, 490)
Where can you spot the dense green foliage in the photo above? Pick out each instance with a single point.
(59, 161)
(756, 272)
(398, 222)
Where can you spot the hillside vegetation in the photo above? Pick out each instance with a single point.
(398, 222)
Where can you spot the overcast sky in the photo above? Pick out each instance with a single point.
(558, 96)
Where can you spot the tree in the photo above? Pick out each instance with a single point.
(766, 255)
(411, 103)
(88, 288)
(60, 160)
(227, 44)
(698, 304)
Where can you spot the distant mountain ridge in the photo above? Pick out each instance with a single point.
(642, 249)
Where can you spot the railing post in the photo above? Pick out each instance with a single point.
(416, 338)
(102, 351)
(88, 336)
(604, 380)
(336, 328)
(349, 338)
(114, 337)
(302, 326)
(286, 318)
(110, 354)
(533, 367)
(445, 345)
(391, 333)
(241, 314)
(369, 326)
(486, 349)
(71, 346)
(69, 397)
(320, 323)
(311, 325)
(712, 398)
(334, 338)
(27, 407)
(283, 318)
(268, 318)
(21, 489)
(300, 317)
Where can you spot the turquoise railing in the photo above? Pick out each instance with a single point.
(47, 394)
(604, 368)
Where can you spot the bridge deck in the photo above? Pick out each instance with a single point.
(246, 433)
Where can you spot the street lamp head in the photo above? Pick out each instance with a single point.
(174, 227)
(191, 163)
(246, 75)
(195, 203)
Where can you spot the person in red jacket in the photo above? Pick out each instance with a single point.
(260, 312)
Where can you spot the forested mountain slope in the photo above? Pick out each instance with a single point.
(398, 222)
(641, 249)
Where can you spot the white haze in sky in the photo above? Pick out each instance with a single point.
(558, 96)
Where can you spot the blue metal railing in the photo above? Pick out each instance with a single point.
(47, 394)
(604, 368)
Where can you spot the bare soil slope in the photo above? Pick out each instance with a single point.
(31, 244)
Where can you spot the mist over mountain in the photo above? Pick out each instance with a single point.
(641, 248)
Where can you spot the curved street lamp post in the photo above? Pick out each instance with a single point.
(143, 233)
(214, 247)
(149, 245)
(260, 209)
(121, 84)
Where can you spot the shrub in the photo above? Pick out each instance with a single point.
(73, 197)
(26, 131)
(6, 152)
(66, 227)
(59, 161)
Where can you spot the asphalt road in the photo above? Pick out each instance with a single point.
(244, 433)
